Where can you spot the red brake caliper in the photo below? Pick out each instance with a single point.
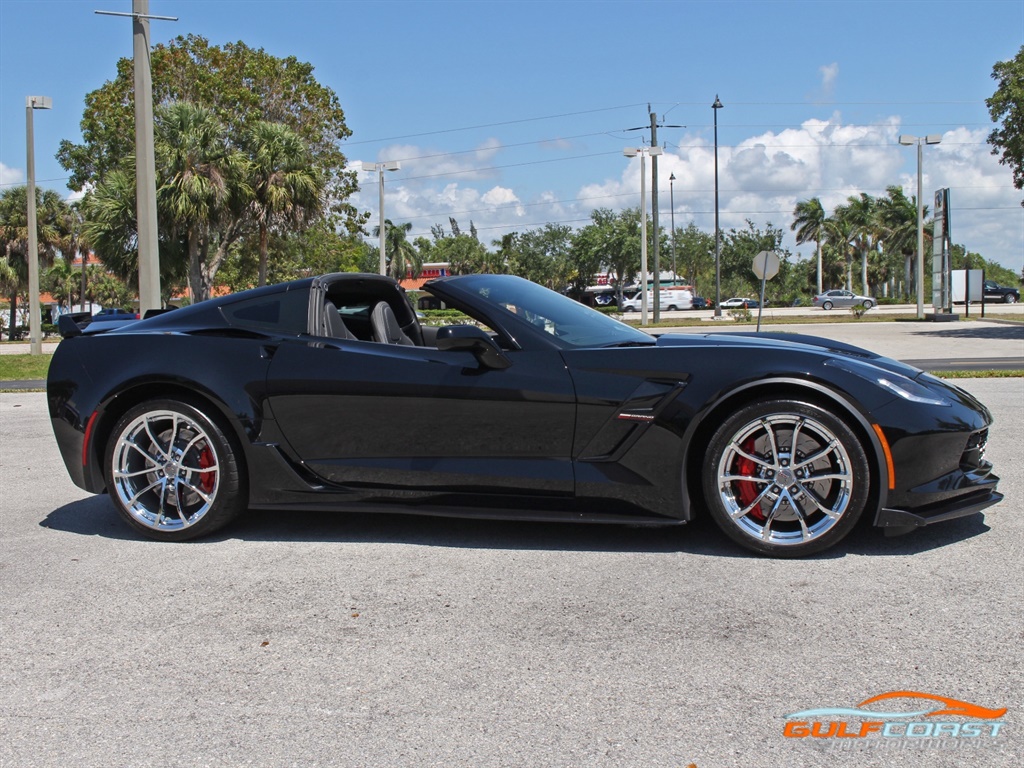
(746, 489)
(207, 479)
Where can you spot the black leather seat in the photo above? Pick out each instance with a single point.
(386, 328)
(333, 326)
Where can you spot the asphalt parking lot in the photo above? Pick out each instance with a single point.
(351, 640)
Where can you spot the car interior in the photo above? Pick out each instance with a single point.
(372, 311)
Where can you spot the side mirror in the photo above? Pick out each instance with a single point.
(469, 338)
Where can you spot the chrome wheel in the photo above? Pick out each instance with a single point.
(165, 470)
(786, 478)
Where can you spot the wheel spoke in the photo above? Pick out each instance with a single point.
(756, 459)
(166, 453)
(767, 426)
(177, 503)
(200, 493)
(135, 498)
(741, 513)
(120, 474)
(813, 498)
(833, 476)
(831, 446)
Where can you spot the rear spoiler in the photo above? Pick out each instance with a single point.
(69, 327)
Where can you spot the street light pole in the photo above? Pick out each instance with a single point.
(654, 216)
(908, 140)
(718, 254)
(379, 168)
(672, 216)
(35, 324)
(643, 152)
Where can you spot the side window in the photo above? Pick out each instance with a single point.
(284, 313)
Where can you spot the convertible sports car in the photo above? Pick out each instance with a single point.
(327, 393)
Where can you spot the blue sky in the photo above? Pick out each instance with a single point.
(513, 114)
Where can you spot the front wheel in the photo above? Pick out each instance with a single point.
(1009, 298)
(172, 472)
(868, 304)
(785, 478)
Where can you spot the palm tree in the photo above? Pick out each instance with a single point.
(809, 225)
(860, 213)
(838, 233)
(286, 190)
(897, 222)
(202, 181)
(63, 281)
(403, 256)
(50, 213)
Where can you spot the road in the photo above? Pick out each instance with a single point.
(352, 640)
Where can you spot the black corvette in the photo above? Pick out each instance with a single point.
(327, 393)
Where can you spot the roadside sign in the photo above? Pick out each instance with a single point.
(766, 265)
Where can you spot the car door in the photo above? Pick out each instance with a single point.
(426, 425)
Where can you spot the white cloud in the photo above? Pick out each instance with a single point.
(10, 175)
(761, 178)
(829, 73)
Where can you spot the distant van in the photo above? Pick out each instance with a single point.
(671, 300)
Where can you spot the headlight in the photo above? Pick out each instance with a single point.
(899, 385)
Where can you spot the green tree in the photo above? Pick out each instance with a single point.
(809, 225)
(402, 256)
(110, 228)
(242, 86)
(738, 249)
(1007, 105)
(542, 256)
(860, 212)
(696, 255)
(286, 190)
(896, 219)
(51, 218)
(202, 188)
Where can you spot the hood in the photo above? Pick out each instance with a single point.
(791, 341)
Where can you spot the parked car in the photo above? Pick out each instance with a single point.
(699, 302)
(996, 292)
(841, 298)
(327, 394)
(114, 312)
(741, 303)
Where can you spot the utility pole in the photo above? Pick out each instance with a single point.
(145, 157)
(654, 219)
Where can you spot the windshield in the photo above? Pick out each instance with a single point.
(569, 322)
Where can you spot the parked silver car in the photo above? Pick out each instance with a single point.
(841, 298)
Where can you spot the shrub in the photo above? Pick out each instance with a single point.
(741, 315)
(858, 310)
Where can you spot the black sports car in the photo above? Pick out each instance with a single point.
(328, 393)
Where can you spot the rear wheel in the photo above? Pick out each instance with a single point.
(827, 305)
(172, 472)
(785, 478)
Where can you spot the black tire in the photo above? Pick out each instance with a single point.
(827, 305)
(172, 472)
(781, 510)
(629, 308)
(672, 308)
(1009, 298)
(868, 304)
